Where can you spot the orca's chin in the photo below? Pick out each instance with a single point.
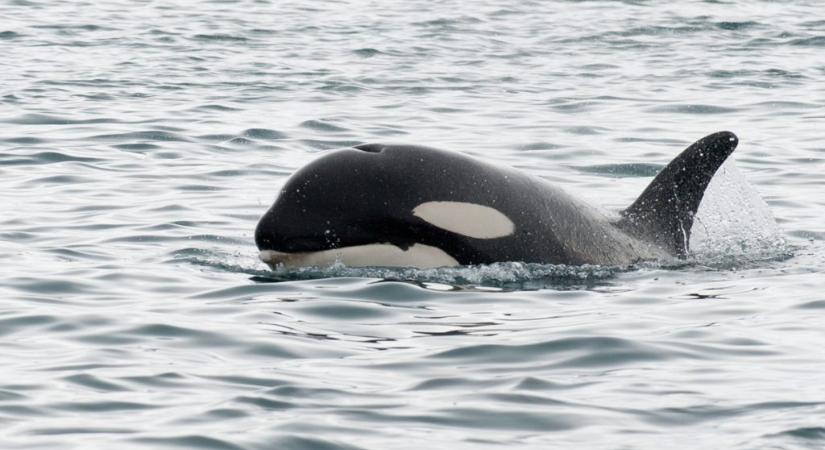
(380, 255)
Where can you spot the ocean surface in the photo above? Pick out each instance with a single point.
(140, 141)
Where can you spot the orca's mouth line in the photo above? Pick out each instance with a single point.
(388, 255)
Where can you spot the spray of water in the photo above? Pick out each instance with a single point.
(734, 226)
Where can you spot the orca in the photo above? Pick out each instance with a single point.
(408, 205)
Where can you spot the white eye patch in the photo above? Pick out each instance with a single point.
(468, 219)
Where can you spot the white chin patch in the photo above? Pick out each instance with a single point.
(468, 219)
(387, 255)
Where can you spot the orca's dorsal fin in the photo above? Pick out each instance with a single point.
(664, 212)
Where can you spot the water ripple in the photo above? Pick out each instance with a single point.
(158, 135)
(48, 119)
(193, 441)
(567, 352)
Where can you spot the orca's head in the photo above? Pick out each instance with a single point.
(372, 205)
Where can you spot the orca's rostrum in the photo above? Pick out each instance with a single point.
(406, 205)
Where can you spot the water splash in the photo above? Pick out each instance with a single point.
(734, 226)
(504, 276)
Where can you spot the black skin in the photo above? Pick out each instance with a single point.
(366, 195)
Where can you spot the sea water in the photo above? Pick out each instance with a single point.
(140, 141)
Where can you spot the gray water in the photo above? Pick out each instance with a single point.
(140, 142)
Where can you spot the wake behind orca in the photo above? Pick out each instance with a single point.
(405, 205)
